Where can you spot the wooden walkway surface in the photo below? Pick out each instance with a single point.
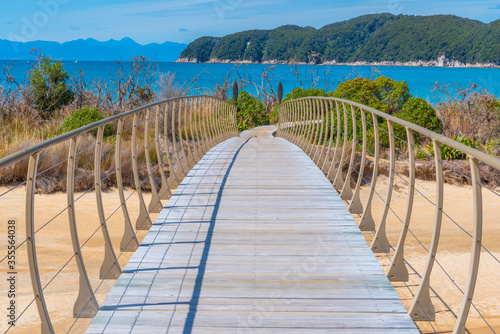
(255, 240)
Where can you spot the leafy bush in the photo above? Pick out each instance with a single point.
(384, 94)
(82, 117)
(416, 111)
(493, 147)
(251, 112)
(48, 85)
(392, 97)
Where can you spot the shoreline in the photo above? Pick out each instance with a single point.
(440, 63)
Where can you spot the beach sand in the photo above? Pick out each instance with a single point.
(453, 252)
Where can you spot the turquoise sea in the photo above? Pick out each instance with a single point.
(421, 80)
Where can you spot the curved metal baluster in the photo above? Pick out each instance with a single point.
(185, 159)
(304, 126)
(290, 125)
(208, 121)
(222, 120)
(366, 223)
(110, 268)
(380, 244)
(320, 142)
(218, 127)
(165, 191)
(421, 308)
(235, 121)
(173, 181)
(346, 192)
(46, 325)
(300, 123)
(199, 127)
(333, 168)
(321, 129)
(213, 127)
(194, 131)
(355, 206)
(228, 122)
(327, 141)
(287, 126)
(210, 127)
(216, 124)
(179, 172)
(190, 156)
(476, 248)
(86, 304)
(203, 126)
(155, 204)
(143, 221)
(129, 241)
(339, 182)
(227, 131)
(284, 115)
(397, 269)
(311, 128)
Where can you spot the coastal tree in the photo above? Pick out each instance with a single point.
(49, 86)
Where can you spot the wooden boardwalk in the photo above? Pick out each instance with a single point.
(255, 240)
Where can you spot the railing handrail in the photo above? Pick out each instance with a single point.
(481, 156)
(27, 152)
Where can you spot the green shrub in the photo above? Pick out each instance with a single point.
(416, 111)
(251, 112)
(85, 116)
(449, 153)
(492, 147)
(384, 94)
(274, 116)
(49, 88)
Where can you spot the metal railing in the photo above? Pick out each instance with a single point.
(340, 138)
(167, 137)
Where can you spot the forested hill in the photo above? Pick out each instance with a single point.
(370, 38)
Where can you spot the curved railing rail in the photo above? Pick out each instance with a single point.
(167, 137)
(340, 138)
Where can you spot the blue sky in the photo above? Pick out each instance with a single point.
(185, 20)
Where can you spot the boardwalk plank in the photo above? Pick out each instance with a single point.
(255, 240)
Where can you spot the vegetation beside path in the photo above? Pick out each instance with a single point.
(52, 102)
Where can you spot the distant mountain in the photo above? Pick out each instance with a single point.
(441, 40)
(91, 49)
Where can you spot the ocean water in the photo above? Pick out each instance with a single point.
(203, 77)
